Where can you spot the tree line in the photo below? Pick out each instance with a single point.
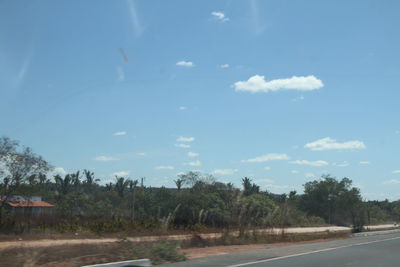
(198, 202)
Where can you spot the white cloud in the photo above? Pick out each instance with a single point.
(294, 171)
(164, 168)
(185, 63)
(60, 171)
(182, 108)
(120, 133)
(185, 139)
(192, 154)
(278, 188)
(341, 164)
(120, 74)
(316, 163)
(396, 171)
(392, 181)
(365, 162)
(258, 83)
(224, 66)
(194, 163)
(182, 145)
(268, 168)
(105, 158)
(328, 143)
(300, 98)
(220, 16)
(141, 153)
(121, 173)
(224, 171)
(264, 181)
(310, 175)
(267, 157)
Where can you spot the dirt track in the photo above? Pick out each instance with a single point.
(59, 242)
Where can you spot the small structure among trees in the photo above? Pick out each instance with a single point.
(26, 206)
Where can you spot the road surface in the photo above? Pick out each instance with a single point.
(369, 250)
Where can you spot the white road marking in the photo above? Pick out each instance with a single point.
(311, 252)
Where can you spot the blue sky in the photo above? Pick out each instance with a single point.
(280, 91)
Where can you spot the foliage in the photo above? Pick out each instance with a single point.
(198, 202)
(335, 201)
(166, 252)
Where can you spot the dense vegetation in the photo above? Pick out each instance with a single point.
(198, 202)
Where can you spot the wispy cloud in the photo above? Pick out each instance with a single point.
(120, 133)
(257, 26)
(294, 171)
(300, 98)
(257, 83)
(267, 157)
(135, 21)
(24, 67)
(224, 66)
(328, 143)
(316, 163)
(182, 145)
(365, 162)
(182, 108)
(309, 175)
(184, 63)
(194, 163)
(396, 171)
(164, 168)
(268, 168)
(224, 171)
(185, 139)
(121, 173)
(392, 181)
(105, 158)
(141, 153)
(192, 154)
(219, 16)
(341, 164)
(120, 74)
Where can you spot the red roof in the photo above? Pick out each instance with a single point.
(30, 204)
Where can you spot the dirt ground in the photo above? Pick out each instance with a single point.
(57, 239)
(77, 250)
(72, 255)
(192, 253)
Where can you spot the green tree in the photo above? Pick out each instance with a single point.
(335, 201)
(249, 188)
(120, 185)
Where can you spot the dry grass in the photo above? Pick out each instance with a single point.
(260, 238)
(78, 255)
(84, 254)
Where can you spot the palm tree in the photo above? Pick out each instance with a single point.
(179, 183)
(89, 177)
(132, 187)
(63, 185)
(120, 185)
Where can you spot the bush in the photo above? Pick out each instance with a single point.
(165, 252)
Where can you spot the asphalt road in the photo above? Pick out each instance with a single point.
(372, 250)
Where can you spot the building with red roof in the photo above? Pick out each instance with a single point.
(20, 205)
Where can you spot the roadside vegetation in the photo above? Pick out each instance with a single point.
(198, 203)
(83, 254)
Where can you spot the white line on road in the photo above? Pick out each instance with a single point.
(311, 252)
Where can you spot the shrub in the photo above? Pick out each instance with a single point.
(165, 252)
